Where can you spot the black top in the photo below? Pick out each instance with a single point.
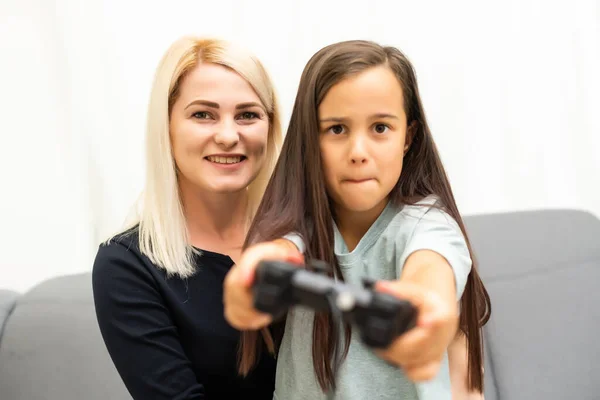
(168, 337)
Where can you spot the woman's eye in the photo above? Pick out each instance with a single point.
(336, 129)
(248, 115)
(381, 128)
(201, 115)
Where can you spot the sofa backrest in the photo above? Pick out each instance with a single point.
(51, 348)
(542, 271)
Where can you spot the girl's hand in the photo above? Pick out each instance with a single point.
(419, 352)
(238, 299)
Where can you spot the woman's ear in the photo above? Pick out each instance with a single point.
(411, 131)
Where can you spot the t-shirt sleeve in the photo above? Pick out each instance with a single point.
(297, 240)
(437, 231)
(138, 330)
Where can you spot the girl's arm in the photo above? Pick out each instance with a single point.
(457, 357)
(427, 281)
(291, 241)
(431, 271)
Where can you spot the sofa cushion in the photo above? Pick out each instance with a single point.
(52, 349)
(8, 299)
(541, 269)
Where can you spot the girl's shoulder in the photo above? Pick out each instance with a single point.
(425, 223)
(423, 210)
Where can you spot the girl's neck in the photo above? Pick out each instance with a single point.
(354, 224)
(215, 221)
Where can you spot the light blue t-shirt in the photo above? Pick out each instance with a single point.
(397, 233)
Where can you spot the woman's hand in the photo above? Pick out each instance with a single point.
(427, 283)
(238, 299)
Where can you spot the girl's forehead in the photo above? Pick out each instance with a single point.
(376, 90)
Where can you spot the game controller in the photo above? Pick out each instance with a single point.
(379, 317)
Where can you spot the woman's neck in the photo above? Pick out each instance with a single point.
(215, 221)
(354, 224)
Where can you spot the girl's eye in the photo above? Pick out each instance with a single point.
(248, 115)
(337, 129)
(201, 115)
(381, 128)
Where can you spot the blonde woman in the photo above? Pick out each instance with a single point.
(213, 137)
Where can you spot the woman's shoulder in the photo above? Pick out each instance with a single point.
(120, 270)
(120, 251)
(128, 237)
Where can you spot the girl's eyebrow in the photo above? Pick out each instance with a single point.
(333, 119)
(384, 115)
(344, 119)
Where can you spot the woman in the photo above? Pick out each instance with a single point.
(213, 136)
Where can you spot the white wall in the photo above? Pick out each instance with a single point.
(511, 90)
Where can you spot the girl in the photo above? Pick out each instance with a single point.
(213, 136)
(361, 183)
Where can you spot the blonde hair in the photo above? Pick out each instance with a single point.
(163, 235)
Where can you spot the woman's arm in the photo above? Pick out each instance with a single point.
(138, 330)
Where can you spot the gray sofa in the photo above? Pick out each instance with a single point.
(541, 268)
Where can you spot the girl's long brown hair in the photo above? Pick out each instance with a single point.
(296, 200)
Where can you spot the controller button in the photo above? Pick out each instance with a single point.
(345, 301)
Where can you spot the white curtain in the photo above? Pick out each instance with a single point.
(511, 90)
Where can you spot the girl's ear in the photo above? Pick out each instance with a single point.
(410, 134)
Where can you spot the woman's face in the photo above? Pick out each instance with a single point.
(219, 130)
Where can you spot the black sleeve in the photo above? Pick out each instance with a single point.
(138, 330)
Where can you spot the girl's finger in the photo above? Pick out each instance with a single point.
(406, 291)
(407, 348)
(422, 372)
(267, 251)
(244, 318)
(248, 269)
(261, 321)
(295, 258)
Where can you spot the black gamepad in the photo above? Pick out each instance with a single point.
(379, 317)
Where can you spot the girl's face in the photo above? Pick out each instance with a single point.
(363, 138)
